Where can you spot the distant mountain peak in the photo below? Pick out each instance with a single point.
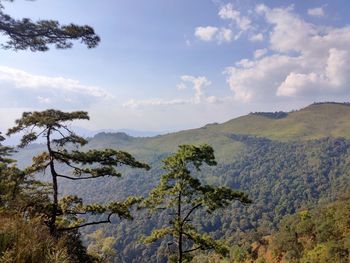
(113, 135)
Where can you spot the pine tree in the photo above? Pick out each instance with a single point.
(19, 192)
(37, 36)
(8, 175)
(64, 213)
(181, 195)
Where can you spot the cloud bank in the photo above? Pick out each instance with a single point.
(29, 90)
(237, 25)
(304, 60)
(296, 59)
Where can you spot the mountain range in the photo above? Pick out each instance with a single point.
(316, 121)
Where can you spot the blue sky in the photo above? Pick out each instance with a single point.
(167, 65)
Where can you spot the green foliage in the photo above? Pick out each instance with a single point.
(6, 184)
(47, 121)
(239, 254)
(317, 235)
(181, 195)
(38, 36)
(313, 122)
(66, 213)
(272, 115)
(101, 247)
(18, 191)
(280, 176)
(24, 203)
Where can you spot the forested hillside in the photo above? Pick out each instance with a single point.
(286, 163)
(312, 235)
(280, 178)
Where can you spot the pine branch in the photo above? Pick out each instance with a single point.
(191, 250)
(108, 220)
(37, 36)
(77, 178)
(190, 212)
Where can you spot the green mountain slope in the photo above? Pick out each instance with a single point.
(313, 122)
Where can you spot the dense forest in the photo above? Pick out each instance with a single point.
(281, 178)
(313, 235)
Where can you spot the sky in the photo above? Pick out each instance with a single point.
(168, 65)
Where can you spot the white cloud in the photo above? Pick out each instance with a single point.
(260, 53)
(24, 80)
(257, 37)
(317, 11)
(306, 61)
(206, 33)
(290, 33)
(261, 8)
(296, 83)
(212, 99)
(217, 100)
(245, 63)
(224, 35)
(257, 80)
(198, 85)
(237, 23)
(211, 33)
(334, 78)
(44, 100)
(338, 68)
(228, 12)
(153, 102)
(26, 89)
(181, 86)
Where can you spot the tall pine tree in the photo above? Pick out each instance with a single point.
(180, 194)
(64, 214)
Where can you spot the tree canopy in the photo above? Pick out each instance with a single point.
(62, 150)
(181, 194)
(23, 34)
